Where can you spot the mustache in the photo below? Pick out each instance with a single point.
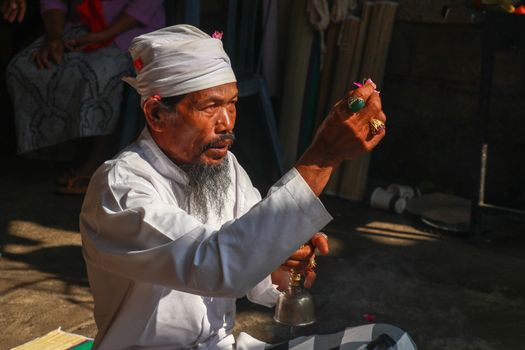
(218, 140)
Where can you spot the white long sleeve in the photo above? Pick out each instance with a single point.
(152, 265)
(138, 236)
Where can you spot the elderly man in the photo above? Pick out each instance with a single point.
(172, 228)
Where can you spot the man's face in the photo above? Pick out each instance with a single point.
(200, 130)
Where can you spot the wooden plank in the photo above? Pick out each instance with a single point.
(298, 55)
(354, 174)
(327, 73)
(343, 178)
(346, 43)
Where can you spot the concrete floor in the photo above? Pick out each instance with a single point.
(447, 293)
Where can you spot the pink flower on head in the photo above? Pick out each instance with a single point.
(217, 35)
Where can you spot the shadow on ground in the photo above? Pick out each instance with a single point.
(445, 292)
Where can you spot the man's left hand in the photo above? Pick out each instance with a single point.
(303, 260)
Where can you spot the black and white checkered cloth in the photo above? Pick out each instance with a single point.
(378, 336)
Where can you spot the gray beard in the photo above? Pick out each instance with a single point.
(208, 188)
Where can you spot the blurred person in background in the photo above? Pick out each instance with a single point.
(66, 87)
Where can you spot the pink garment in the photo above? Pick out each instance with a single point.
(150, 13)
(92, 15)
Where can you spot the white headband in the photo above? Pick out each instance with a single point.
(178, 60)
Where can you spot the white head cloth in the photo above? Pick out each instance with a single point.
(178, 60)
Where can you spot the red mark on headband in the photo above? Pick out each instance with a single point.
(138, 64)
(155, 97)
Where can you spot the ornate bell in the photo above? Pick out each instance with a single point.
(295, 306)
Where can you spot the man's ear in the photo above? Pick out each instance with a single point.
(154, 115)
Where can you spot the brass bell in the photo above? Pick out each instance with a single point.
(295, 307)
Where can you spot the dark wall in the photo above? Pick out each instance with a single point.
(431, 96)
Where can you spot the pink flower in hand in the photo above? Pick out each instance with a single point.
(361, 85)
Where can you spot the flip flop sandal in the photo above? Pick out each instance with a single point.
(76, 185)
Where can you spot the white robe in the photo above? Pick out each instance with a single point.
(163, 280)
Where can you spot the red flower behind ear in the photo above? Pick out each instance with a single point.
(217, 35)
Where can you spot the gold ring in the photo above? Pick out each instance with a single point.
(312, 263)
(376, 126)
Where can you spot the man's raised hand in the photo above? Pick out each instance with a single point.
(343, 135)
